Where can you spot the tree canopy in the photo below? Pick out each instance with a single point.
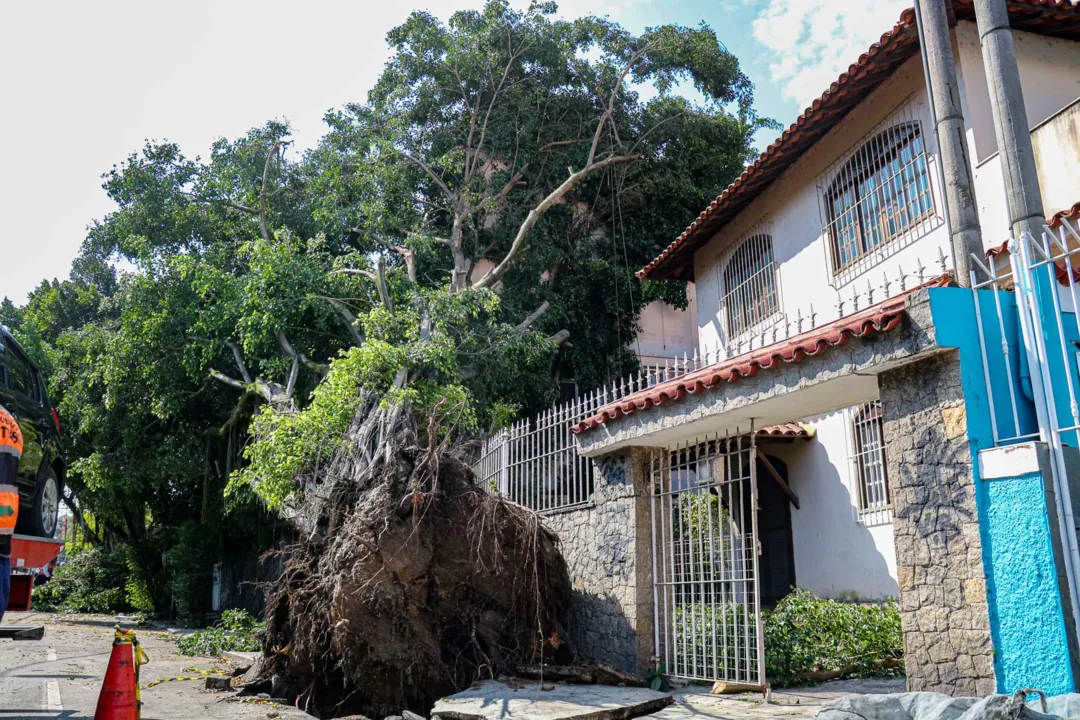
(466, 238)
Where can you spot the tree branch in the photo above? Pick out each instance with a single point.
(354, 271)
(347, 317)
(560, 337)
(610, 110)
(380, 282)
(533, 316)
(496, 273)
(434, 176)
(262, 194)
(228, 380)
(410, 261)
(294, 369)
(239, 357)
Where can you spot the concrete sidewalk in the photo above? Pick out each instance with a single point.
(522, 700)
(696, 703)
(60, 676)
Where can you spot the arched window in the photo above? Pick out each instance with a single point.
(879, 193)
(750, 285)
(871, 481)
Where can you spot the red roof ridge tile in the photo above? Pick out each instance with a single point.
(879, 318)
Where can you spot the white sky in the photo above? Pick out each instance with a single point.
(84, 84)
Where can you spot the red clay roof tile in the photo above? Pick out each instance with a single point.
(879, 318)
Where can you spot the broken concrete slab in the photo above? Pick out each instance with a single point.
(493, 700)
(241, 658)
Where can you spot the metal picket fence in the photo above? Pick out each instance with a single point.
(534, 461)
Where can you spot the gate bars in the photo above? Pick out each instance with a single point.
(706, 604)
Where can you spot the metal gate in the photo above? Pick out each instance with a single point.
(706, 597)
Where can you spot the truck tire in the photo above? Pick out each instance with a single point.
(43, 515)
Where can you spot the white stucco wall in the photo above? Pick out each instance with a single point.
(1050, 74)
(666, 331)
(835, 555)
(792, 208)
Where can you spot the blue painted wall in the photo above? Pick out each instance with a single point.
(1026, 621)
(1031, 647)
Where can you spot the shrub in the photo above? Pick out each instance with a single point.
(236, 631)
(804, 634)
(92, 580)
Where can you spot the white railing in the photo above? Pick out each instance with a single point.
(534, 461)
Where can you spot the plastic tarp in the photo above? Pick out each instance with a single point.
(935, 706)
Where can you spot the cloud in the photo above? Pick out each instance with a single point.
(812, 41)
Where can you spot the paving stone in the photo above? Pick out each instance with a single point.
(493, 700)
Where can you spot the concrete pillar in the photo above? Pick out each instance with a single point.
(961, 210)
(943, 601)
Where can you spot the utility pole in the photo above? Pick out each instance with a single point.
(939, 67)
(1010, 118)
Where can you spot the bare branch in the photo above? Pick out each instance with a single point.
(354, 271)
(228, 203)
(348, 318)
(294, 370)
(239, 357)
(410, 261)
(561, 143)
(262, 194)
(434, 176)
(228, 380)
(380, 282)
(610, 111)
(560, 337)
(533, 316)
(496, 273)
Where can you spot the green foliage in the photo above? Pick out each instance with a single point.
(803, 634)
(237, 631)
(287, 444)
(657, 679)
(230, 353)
(92, 580)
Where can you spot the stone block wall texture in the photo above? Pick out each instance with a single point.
(611, 611)
(943, 606)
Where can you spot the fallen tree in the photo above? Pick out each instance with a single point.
(412, 583)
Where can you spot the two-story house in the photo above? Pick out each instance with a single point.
(802, 268)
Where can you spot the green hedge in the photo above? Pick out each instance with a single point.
(804, 636)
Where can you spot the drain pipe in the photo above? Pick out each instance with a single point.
(954, 169)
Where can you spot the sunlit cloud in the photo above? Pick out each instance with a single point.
(813, 41)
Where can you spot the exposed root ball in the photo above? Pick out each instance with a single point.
(412, 584)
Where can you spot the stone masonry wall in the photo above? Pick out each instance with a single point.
(601, 544)
(938, 550)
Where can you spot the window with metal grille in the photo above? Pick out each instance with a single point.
(868, 459)
(880, 192)
(750, 296)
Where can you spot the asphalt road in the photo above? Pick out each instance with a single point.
(60, 676)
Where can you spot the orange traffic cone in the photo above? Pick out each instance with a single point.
(119, 698)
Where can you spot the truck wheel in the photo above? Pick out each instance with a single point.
(44, 510)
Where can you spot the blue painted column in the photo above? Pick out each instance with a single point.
(1021, 548)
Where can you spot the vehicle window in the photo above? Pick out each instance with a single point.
(20, 376)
